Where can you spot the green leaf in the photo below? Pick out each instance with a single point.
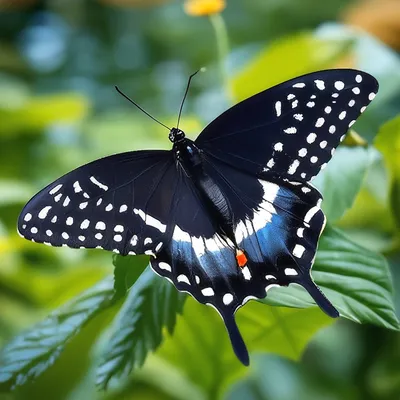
(285, 59)
(126, 272)
(201, 350)
(151, 305)
(388, 142)
(32, 352)
(356, 280)
(341, 181)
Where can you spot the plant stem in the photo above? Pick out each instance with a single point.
(221, 35)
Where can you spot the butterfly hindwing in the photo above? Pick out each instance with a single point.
(277, 225)
(119, 203)
(290, 130)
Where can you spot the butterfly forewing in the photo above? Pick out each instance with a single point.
(291, 130)
(120, 203)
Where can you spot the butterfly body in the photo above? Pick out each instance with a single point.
(225, 217)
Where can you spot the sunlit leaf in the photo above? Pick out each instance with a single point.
(285, 59)
(13, 191)
(356, 280)
(31, 353)
(342, 179)
(151, 305)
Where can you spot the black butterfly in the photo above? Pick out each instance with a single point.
(225, 217)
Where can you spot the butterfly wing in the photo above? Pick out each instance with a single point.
(277, 225)
(199, 261)
(290, 130)
(120, 203)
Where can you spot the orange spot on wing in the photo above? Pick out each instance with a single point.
(241, 258)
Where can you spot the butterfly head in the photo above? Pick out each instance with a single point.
(176, 135)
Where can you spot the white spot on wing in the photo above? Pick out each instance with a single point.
(43, 212)
(164, 266)
(85, 224)
(371, 96)
(227, 299)
(339, 85)
(302, 152)
(69, 221)
(320, 122)
(150, 221)
(293, 167)
(97, 183)
(299, 117)
(28, 217)
(77, 187)
(55, 189)
(320, 84)
(278, 146)
(298, 252)
(183, 278)
(208, 292)
(148, 241)
(299, 85)
(290, 272)
(292, 130)
(246, 273)
(300, 232)
(123, 208)
(101, 226)
(311, 138)
(278, 108)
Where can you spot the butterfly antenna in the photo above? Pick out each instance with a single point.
(186, 92)
(140, 108)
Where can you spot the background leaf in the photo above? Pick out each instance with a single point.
(31, 353)
(285, 59)
(341, 180)
(151, 305)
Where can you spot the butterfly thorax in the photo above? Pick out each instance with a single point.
(191, 159)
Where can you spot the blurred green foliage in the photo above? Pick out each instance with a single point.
(79, 323)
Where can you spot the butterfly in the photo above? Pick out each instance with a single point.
(225, 217)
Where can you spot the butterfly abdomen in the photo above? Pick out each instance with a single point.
(190, 158)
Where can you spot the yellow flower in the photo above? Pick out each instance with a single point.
(198, 8)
